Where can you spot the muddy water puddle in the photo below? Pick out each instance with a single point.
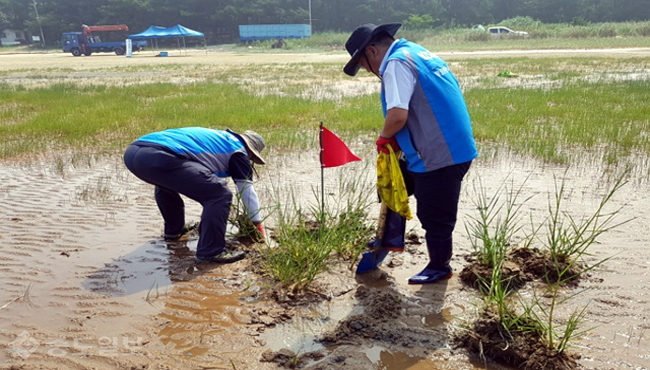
(86, 242)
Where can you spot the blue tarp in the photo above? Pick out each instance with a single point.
(154, 32)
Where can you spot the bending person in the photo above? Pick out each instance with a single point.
(194, 161)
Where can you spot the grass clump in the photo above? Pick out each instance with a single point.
(491, 232)
(512, 325)
(306, 238)
(568, 239)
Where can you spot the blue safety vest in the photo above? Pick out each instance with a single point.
(438, 131)
(211, 148)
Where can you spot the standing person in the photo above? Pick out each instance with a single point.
(426, 116)
(194, 161)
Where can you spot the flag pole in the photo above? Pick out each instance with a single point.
(322, 177)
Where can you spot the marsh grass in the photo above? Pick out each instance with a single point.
(558, 335)
(96, 118)
(307, 237)
(239, 217)
(99, 191)
(299, 253)
(515, 314)
(567, 240)
(547, 125)
(498, 220)
(558, 109)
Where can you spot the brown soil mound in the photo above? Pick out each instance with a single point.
(523, 265)
(288, 359)
(381, 321)
(489, 339)
(525, 351)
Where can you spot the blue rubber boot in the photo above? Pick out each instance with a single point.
(440, 252)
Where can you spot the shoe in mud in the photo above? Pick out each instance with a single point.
(223, 257)
(187, 230)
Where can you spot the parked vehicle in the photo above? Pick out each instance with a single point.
(88, 41)
(505, 31)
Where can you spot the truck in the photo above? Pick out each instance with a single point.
(88, 41)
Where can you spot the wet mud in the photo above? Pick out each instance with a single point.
(106, 291)
(87, 281)
(520, 350)
(523, 265)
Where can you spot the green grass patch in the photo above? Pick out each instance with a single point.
(552, 123)
(307, 238)
(556, 109)
(38, 120)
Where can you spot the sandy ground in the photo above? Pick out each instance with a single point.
(222, 58)
(87, 282)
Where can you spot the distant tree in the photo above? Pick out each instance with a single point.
(219, 19)
(505, 9)
(417, 21)
(137, 14)
(14, 13)
(465, 12)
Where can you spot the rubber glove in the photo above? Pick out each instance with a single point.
(260, 228)
(382, 142)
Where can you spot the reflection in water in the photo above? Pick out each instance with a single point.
(437, 319)
(301, 334)
(386, 360)
(152, 266)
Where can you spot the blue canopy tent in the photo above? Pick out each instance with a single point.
(178, 31)
(149, 33)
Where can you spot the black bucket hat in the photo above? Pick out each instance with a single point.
(360, 39)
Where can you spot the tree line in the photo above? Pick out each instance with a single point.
(219, 19)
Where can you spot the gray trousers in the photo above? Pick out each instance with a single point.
(174, 175)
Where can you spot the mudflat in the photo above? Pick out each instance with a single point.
(87, 281)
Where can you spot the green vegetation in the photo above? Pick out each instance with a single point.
(492, 231)
(541, 36)
(550, 123)
(568, 239)
(305, 240)
(103, 117)
(556, 109)
(565, 243)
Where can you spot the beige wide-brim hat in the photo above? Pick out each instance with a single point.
(254, 144)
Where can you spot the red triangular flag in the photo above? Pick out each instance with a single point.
(333, 151)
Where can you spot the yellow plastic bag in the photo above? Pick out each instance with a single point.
(390, 184)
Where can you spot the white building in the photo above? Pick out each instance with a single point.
(11, 37)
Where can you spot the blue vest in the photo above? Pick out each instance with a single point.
(211, 148)
(438, 131)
